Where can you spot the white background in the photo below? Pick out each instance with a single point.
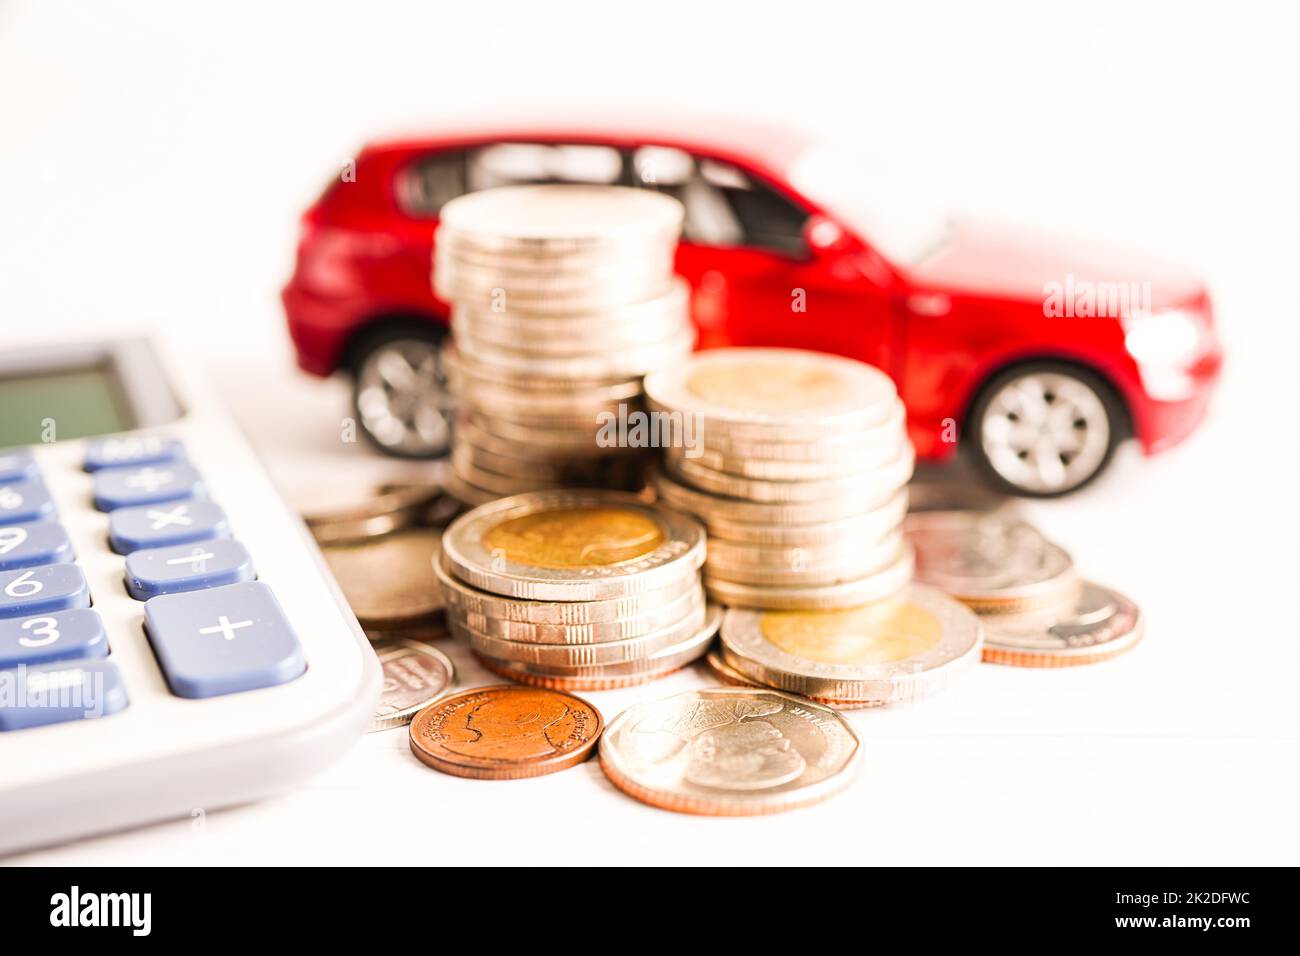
(156, 155)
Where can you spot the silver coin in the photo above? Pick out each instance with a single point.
(585, 655)
(989, 560)
(415, 675)
(802, 570)
(711, 508)
(559, 218)
(612, 363)
(888, 652)
(864, 528)
(571, 620)
(1096, 625)
(572, 546)
(591, 633)
(779, 470)
(794, 447)
(574, 448)
(872, 483)
(730, 752)
(665, 660)
(553, 294)
(574, 469)
(882, 585)
(665, 313)
(535, 337)
(775, 392)
(462, 368)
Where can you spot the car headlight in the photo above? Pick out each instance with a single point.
(1175, 338)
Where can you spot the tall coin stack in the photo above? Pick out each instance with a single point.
(577, 590)
(796, 465)
(563, 298)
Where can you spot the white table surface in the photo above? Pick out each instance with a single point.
(153, 180)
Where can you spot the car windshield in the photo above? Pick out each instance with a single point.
(885, 206)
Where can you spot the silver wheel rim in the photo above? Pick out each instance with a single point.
(1045, 432)
(403, 399)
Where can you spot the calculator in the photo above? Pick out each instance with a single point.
(170, 639)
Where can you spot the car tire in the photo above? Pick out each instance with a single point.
(400, 393)
(1045, 429)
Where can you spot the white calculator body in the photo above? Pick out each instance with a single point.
(170, 640)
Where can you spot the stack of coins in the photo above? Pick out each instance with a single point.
(562, 298)
(893, 651)
(796, 463)
(577, 590)
(1037, 612)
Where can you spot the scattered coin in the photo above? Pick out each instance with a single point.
(730, 752)
(1096, 625)
(882, 653)
(415, 675)
(388, 580)
(392, 507)
(505, 733)
(991, 561)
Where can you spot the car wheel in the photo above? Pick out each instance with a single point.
(1045, 429)
(400, 394)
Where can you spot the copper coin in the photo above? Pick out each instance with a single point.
(505, 732)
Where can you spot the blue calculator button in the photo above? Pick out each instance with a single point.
(32, 543)
(17, 464)
(25, 501)
(54, 587)
(131, 450)
(160, 526)
(60, 636)
(223, 640)
(54, 693)
(148, 484)
(187, 567)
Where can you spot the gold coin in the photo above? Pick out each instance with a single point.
(895, 651)
(576, 537)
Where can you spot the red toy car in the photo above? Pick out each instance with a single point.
(1040, 354)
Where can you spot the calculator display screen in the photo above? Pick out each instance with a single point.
(58, 405)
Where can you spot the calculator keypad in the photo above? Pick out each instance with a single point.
(17, 464)
(33, 543)
(52, 587)
(25, 501)
(161, 526)
(213, 628)
(187, 567)
(59, 692)
(150, 484)
(59, 636)
(131, 451)
(223, 640)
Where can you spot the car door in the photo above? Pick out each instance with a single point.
(757, 279)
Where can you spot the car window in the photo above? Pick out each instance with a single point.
(511, 164)
(431, 182)
(725, 206)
